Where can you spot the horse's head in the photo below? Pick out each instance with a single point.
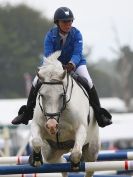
(52, 93)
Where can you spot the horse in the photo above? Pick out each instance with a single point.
(63, 120)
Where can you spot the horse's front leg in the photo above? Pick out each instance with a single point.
(79, 142)
(35, 158)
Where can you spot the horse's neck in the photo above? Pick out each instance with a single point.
(75, 88)
(76, 95)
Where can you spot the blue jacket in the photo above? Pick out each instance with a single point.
(71, 50)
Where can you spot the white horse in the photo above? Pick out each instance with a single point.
(63, 119)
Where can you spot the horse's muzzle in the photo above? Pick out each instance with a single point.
(52, 126)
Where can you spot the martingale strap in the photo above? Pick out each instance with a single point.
(61, 145)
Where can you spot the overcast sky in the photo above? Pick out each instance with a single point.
(96, 19)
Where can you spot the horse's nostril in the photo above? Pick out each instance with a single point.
(47, 126)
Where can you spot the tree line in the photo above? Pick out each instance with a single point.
(22, 30)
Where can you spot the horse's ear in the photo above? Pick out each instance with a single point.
(63, 74)
(37, 72)
(39, 76)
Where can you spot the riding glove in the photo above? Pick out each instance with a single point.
(69, 67)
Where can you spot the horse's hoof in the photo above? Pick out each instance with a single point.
(75, 159)
(35, 159)
(34, 163)
(31, 162)
(75, 167)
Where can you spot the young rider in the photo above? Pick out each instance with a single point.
(68, 39)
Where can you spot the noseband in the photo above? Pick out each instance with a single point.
(52, 115)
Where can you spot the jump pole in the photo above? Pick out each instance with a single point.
(66, 167)
(121, 155)
(112, 155)
(108, 176)
(118, 155)
(57, 175)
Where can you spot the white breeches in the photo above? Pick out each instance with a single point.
(81, 70)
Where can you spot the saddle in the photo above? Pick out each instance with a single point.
(83, 82)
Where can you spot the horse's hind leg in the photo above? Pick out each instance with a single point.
(79, 142)
(54, 156)
(90, 153)
(63, 160)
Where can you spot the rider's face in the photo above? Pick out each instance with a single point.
(65, 26)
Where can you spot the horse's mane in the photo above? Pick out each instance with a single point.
(52, 67)
(52, 60)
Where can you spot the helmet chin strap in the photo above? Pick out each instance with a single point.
(61, 31)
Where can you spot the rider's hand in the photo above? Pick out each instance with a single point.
(69, 67)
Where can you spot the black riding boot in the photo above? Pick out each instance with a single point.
(102, 116)
(25, 113)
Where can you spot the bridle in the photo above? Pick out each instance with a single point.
(65, 101)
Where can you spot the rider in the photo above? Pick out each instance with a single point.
(68, 39)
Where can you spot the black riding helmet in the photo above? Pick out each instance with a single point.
(64, 14)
